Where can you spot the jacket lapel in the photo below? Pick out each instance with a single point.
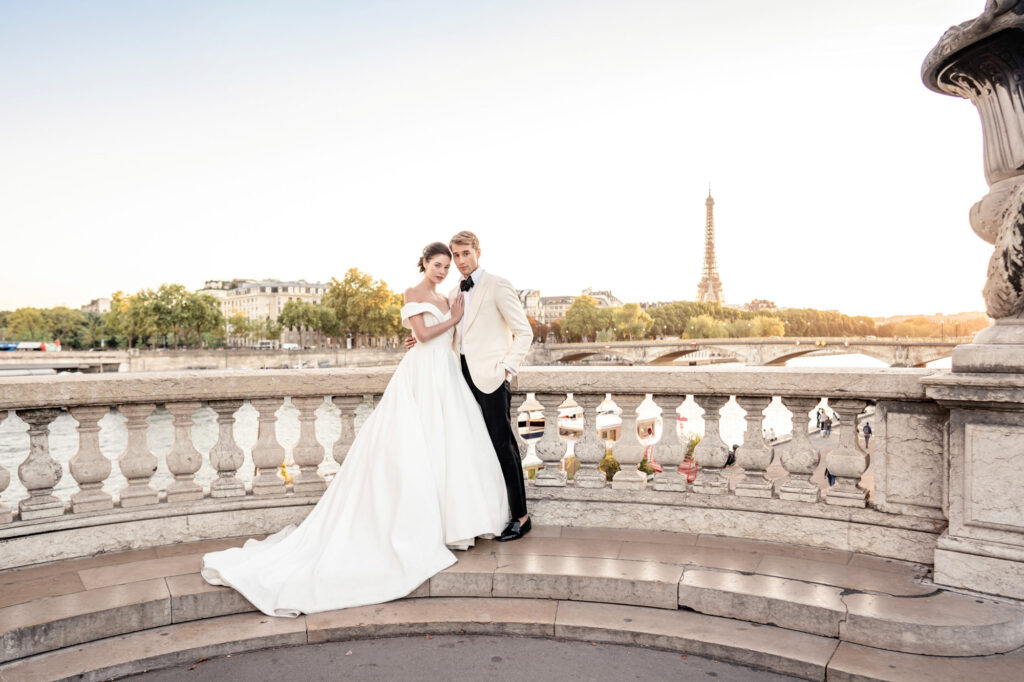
(482, 289)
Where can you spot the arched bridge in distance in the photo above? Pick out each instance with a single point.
(753, 352)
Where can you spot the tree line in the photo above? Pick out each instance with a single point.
(171, 316)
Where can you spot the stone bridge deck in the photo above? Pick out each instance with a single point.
(803, 611)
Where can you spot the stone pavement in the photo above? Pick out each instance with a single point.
(795, 610)
(467, 658)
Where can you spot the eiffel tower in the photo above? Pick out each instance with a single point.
(710, 287)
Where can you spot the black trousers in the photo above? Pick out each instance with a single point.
(496, 408)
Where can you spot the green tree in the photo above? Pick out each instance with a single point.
(705, 327)
(201, 314)
(364, 305)
(240, 326)
(631, 321)
(583, 319)
(767, 325)
(63, 323)
(300, 315)
(28, 324)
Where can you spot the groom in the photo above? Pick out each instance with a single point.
(492, 340)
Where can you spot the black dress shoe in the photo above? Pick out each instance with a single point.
(515, 531)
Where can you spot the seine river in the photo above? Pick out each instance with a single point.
(160, 436)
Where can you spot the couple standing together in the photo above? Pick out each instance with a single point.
(435, 465)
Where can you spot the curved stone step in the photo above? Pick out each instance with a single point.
(939, 624)
(943, 624)
(777, 649)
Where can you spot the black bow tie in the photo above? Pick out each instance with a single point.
(466, 284)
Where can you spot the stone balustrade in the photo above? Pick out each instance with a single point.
(900, 515)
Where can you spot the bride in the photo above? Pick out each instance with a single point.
(420, 476)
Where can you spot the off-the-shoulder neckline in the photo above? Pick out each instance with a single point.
(443, 313)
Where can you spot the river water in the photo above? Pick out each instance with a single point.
(14, 442)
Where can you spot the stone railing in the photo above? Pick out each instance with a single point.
(899, 515)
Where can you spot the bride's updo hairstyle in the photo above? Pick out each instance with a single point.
(431, 250)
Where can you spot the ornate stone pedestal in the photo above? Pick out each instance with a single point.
(983, 549)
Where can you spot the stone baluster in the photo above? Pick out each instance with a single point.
(711, 453)
(226, 456)
(589, 448)
(308, 453)
(629, 451)
(267, 452)
(183, 460)
(39, 473)
(754, 455)
(137, 463)
(847, 462)
(800, 457)
(668, 451)
(550, 449)
(346, 405)
(89, 467)
(6, 514)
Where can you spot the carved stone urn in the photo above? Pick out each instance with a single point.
(983, 60)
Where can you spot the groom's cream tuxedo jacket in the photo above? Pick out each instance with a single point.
(494, 332)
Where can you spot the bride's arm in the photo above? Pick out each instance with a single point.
(423, 333)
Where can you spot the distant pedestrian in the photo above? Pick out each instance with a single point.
(831, 479)
(826, 426)
(867, 433)
(820, 416)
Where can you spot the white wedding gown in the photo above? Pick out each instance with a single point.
(421, 474)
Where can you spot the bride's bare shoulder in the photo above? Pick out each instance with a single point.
(414, 295)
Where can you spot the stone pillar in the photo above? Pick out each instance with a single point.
(89, 467)
(308, 452)
(848, 461)
(982, 60)
(589, 448)
(137, 463)
(711, 453)
(754, 455)
(183, 460)
(226, 456)
(267, 452)
(983, 547)
(550, 449)
(39, 473)
(6, 515)
(800, 458)
(346, 405)
(628, 451)
(668, 450)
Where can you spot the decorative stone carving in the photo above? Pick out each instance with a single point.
(629, 451)
(267, 452)
(39, 473)
(226, 456)
(754, 455)
(983, 60)
(711, 453)
(308, 452)
(589, 448)
(6, 515)
(346, 405)
(847, 462)
(183, 460)
(89, 467)
(668, 451)
(550, 449)
(801, 458)
(137, 463)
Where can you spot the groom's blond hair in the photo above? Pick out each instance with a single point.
(465, 237)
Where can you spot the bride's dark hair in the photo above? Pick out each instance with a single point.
(431, 250)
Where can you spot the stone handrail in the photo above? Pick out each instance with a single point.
(901, 517)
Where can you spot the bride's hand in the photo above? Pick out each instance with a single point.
(458, 308)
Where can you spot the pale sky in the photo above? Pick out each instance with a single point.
(144, 142)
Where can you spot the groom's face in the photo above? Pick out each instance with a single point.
(466, 258)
